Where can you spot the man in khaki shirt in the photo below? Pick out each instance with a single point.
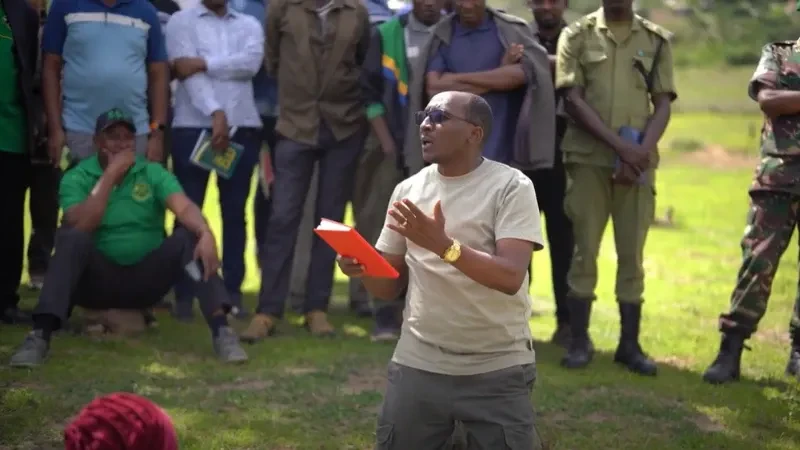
(615, 70)
(465, 352)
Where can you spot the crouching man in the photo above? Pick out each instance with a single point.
(111, 252)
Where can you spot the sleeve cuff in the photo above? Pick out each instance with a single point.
(214, 65)
(374, 110)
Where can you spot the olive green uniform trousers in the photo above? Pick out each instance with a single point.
(591, 198)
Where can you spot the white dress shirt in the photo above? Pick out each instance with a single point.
(233, 48)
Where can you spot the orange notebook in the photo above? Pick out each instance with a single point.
(348, 243)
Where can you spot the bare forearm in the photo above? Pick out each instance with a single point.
(51, 93)
(504, 78)
(491, 271)
(590, 121)
(86, 216)
(381, 129)
(657, 124)
(157, 91)
(438, 83)
(385, 288)
(779, 103)
(192, 218)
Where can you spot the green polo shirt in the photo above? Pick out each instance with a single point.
(133, 224)
(12, 115)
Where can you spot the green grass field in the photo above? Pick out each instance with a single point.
(302, 393)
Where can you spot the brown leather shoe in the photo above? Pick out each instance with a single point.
(317, 323)
(261, 327)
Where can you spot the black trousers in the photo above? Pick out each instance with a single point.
(15, 172)
(43, 208)
(80, 275)
(551, 185)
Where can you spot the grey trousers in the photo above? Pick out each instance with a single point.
(81, 145)
(429, 411)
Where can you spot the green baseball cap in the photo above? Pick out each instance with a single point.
(113, 117)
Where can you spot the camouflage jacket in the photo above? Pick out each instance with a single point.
(779, 170)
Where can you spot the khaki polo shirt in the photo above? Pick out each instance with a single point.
(452, 324)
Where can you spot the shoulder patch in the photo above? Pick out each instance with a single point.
(655, 28)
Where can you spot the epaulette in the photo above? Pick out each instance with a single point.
(655, 28)
(587, 21)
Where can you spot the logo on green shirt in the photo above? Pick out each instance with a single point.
(141, 192)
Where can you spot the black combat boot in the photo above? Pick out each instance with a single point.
(725, 367)
(580, 350)
(629, 353)
(793, 367)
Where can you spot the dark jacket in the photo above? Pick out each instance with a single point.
(536, 129)
(24, 22)
(318, 71)
(380, 90)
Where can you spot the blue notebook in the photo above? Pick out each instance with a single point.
(633, 135)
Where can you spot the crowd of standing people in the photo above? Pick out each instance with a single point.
(465, 120)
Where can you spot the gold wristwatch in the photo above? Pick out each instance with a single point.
(452, 253)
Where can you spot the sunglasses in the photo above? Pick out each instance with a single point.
(436, 117)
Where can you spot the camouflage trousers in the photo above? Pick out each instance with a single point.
(771, 220)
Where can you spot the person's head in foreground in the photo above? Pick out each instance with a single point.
(121, 421)
(453, 128)
(114, 134)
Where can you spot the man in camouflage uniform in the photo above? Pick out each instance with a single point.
(614, 69)
(774, 209)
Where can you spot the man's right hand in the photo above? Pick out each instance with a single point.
(350, 267)
(219, 131)
(56, 140)
(513, 54)
(119, 164)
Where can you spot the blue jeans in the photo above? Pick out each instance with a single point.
(233, 194)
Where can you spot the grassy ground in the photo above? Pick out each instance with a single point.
(300, 393)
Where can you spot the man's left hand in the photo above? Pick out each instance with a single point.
(186, 67)
(155, 147)
(419, 228)
(206, 252)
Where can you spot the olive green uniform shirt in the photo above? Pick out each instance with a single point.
(133, 223)
(591, 57)
(13, 122)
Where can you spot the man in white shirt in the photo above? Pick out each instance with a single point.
(216, 52)
(461, 233)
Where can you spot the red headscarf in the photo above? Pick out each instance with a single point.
(121, 421)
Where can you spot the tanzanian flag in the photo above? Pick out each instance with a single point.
(393, 60)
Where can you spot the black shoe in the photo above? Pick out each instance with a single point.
(629, 353)
(15, 316)
(562, 336)
(581, 350)
(726, 366)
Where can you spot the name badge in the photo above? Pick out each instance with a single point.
(412, 52)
